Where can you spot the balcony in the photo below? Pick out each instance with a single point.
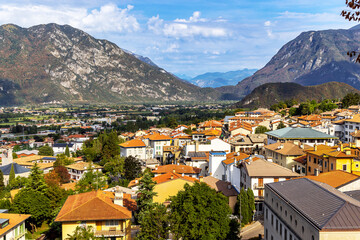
(258, 186)
(110, 233)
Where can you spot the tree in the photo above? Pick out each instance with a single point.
(2, 185)
(145, 192)
(115, 166)
(67, 151)
(91, 181)
(234, 230)
(132, 168)
(199, 212)
(29, 201)
(46, 151)
(12, 176)
(154, 223)
(244, 206)
(63, 160)
(36, 180)
(261, 129)
(251, 202)
(63, 173)
(52, 178)
(81, 233)
(281, 125)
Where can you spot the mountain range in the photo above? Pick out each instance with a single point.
(59, 63)
(271, 93)
(312, 58)
(219, 79)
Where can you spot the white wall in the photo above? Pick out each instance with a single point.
(216, 169)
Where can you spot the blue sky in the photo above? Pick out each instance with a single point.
(187, 37)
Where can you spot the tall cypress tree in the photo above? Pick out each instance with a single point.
(251, 202)
(244, 207)
(67, 151)
(2, 185)
(12, 176)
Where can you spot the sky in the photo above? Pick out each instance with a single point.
(183, 36)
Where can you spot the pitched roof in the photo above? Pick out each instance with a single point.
(310, 117)
(172, 176)
(299, 133)
(177, 169)
(17, 169)
(321, 204)
(133, 143)
(335, 179)
(287, 148)
(211, 124)
(157, 137)
(95, 205)
(14, 220)
(83, 166)
(263, 168)
(220, 186)
(199, 156)
(231, 157)
(302, 159)
(355, 118)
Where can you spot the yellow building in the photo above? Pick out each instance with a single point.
(109, 214)
(323, 158)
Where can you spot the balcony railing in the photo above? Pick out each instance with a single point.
(258, 186)
(110, 233)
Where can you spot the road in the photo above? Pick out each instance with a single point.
(252, 230)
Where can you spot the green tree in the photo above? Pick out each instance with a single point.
(145, 192)
(29, 201)
(67, 151)
(82, 233)
(12, 176)
(115, 166)
(234, 233)
(46, 151)
(14, 155)
(132, 168)
(36, 180)
(281, 125)
(292, 111)
(91, 181)
(199, 212)
(2, 185)
(244, 206)
(154, 223)
(63, 160)
(251, 202)
(261, 129)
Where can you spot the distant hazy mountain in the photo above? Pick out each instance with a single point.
(183, 76)
(142, 58)
(271, 93)
(312, 58)
(51, 62)
(218, 79)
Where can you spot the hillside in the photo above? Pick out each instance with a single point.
(54, 63)
(271, 93)
(312, 58)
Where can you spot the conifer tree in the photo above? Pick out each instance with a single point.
(2, 185)
(12, 176)
(67, 151)
(146, 191)
(251, 202)
(244, 206)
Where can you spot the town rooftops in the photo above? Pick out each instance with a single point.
(234, 157)
(287, 148)
(199, 156)
(17, 169)
(177, 169)
(81, 166)
(263, 168)
(322, 205)
(355, 119)
(220, 186)
(95, 205)
(157, 137)
(14, 220)
(299, 133)
(133, 143)
(335, 179)
(169, 176)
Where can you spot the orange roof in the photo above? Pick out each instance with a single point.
(14, 220)
(302, 159)
(310, 118)
(133, 143)
(68, 186)
(335, 179)
(355, 118)
(157, 137)
(211, 124)
(230, 157)
(172, 176)
(83, 166)
(177, 169)
(95, 205)
(235, 125)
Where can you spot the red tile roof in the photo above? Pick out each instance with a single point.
(133, 143)
(177, 169)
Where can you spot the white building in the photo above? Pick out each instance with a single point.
(135, 148)
(12, 226)
(216, 144)
(59, 148)
(216, 168)
(78, 170)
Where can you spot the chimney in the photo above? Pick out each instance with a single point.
(315, 147)
(119, 197)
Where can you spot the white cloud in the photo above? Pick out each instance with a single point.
(107, 19)
(174, 47)
(194, 26)
(267, 24)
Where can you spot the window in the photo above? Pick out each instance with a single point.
(309, 169)
(325, 164)
(314, 160)
(285, 213)
(295, 223)
(309, 159)
(266, 214)
(277, 225)
(280, 229)
(290, 218)
(344, 167)
(332, 166)
(285, 233)
(356, 165)
(291, 237)
(302, 229)
(272, 220)
(280, 208)
(110, 223)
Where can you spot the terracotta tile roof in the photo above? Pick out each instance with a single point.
(331, 151)
(68, 186)
(302, 159)
(230, 157)
(287, 148)
(177, 169)
(310, 118)
(157, 137)
(211, 124)
(14, 220)
(355, 119)
(220, 186)
(172, 176)
(356, 134)
(95, 205)
(236, 125)
(335, 179)
(83, 166)
(133, 143)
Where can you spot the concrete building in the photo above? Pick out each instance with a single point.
(306, 209)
